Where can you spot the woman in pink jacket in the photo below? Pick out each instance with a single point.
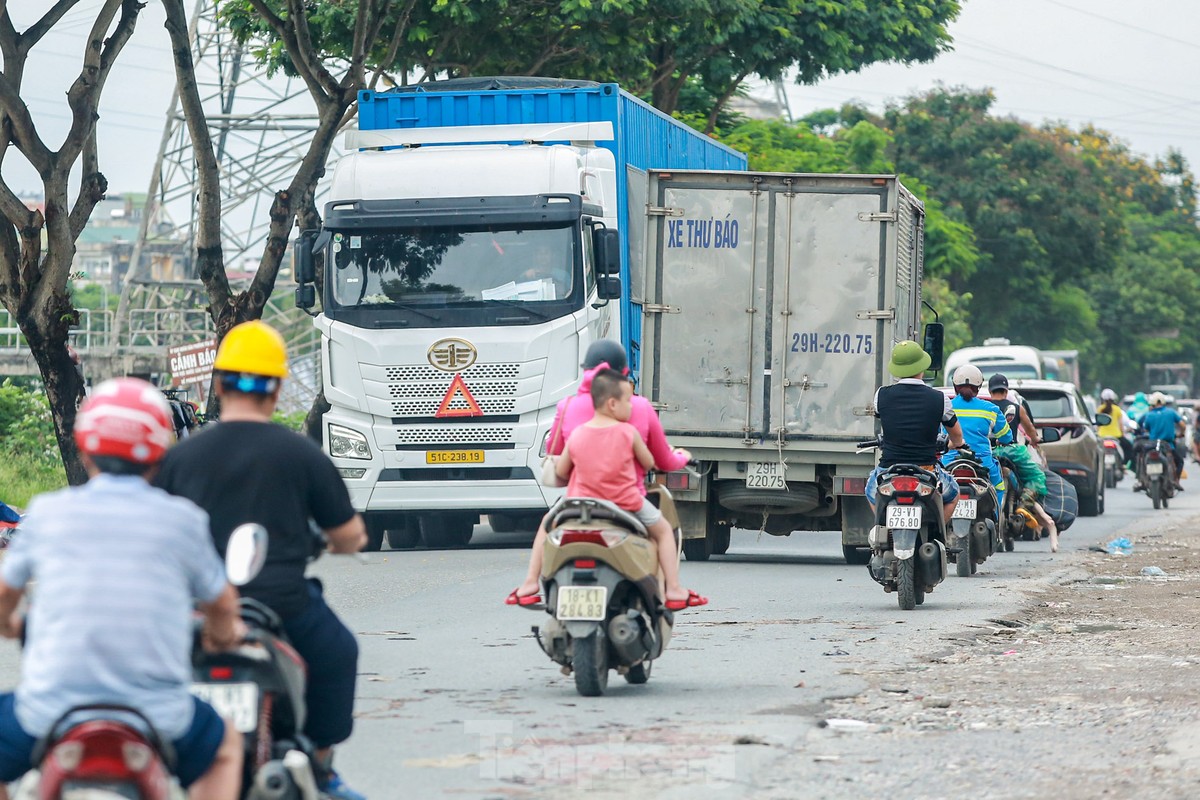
(576, 410)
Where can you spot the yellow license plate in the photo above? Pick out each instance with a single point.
(454, 457)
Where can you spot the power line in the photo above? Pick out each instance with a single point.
(1124, 24)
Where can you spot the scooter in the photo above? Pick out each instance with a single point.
(103, 751)
(1114, 462)
(974, 523)
(260, 687)
(1156, 470)
(604, 592)
(908, 541)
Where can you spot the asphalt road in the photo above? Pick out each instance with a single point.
(456, 699)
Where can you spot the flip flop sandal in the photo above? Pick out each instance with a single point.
(692, 601)
(526, 601)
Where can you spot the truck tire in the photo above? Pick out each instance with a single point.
(721, 544)
(448, 529)
(405, 536)
(800, 498)
(375, 532)
(697, 549)
(856, 555)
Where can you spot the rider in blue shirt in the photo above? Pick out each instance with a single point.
(1164, 422)
(981, 420)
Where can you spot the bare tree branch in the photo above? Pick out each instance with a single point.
(19, 128)
(34, 33)
(209, 256)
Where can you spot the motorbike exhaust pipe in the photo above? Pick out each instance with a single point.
(299, 767)
(983, 539)
(932, 558)
(625, 636)
(271, 782)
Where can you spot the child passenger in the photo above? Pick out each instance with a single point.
(599, 462)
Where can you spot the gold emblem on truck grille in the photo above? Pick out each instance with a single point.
(452, 355)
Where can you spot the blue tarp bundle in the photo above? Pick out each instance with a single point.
(7, 514)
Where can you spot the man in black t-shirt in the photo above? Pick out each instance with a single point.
(911, 415)
(248, 469)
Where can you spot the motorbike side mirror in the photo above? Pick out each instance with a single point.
(1050, 435)
(245, 553)
(1103, 419)
(935, 339)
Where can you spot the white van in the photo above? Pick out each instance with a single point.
(997, 355)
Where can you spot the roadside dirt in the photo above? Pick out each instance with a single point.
(1092, 691)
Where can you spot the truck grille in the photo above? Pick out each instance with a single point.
(417, 390)
(454, 434)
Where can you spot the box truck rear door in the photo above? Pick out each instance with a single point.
(705, 305)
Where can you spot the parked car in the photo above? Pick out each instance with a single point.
(1079, 455)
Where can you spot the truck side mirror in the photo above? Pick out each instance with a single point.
(606, 243)
(302, 259)
(935, 337)
(306, 296)
(608, 287)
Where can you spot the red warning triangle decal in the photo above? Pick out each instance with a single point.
(458, 401)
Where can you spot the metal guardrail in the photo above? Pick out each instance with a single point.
(94, 331)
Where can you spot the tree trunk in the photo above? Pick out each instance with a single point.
(46, 333)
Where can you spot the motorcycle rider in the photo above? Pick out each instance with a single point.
(248, 469)
(576, 410)
(911, 415)
(1165, 423)
(1138, 408)
(1030, 475)
(1115, 429)
(981, 420)
(118, 565)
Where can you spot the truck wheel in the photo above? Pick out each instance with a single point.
(447, 530)
(697, 549)
(375, 533)
(404, 536)
(856, 555)
(722, 535)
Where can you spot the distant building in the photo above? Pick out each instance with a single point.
(105, 247)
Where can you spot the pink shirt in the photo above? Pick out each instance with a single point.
(602, 465)
(644, 419)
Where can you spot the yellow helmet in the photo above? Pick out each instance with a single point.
(253, 348)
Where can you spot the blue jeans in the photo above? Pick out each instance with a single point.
(331, 654)
(949, 487)
(195, 751)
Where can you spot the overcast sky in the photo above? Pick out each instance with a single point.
(1130, 67)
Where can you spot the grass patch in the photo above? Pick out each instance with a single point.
(24, 476)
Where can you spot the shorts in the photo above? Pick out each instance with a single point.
(949, 487)
(648, 514)
(195, 751)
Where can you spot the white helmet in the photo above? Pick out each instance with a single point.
(1108, 395)
(968, 374)
(1157, 399)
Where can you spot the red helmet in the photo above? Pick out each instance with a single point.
(125, 418)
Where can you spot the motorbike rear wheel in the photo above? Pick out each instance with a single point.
(589, 660)
(965, 559)
(1156, 494)
(906, 584)
(639, 673)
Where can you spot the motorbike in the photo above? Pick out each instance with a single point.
(102, 751)
(604, 593)
(260, 686)
(908, 541)
(1114, 462)
(1156, 470)
(977, 519)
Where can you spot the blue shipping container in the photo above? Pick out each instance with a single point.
(645, 139)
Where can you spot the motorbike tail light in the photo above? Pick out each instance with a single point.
(136, 755)
(221, 673)
(966, 473)
(585, 563)
(905, 484)
(1110, 444)
(68, 755)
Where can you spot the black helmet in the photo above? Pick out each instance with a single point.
(603, 350)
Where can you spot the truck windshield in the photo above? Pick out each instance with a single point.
(515, 274)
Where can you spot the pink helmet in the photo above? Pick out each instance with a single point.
(125, 418)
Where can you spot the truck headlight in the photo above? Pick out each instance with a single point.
(345, 443)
